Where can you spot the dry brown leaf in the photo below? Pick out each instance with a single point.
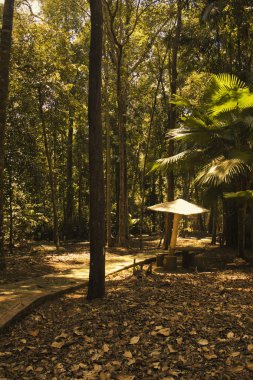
(57, 344)
(230, 335)
(235, 354)
(249, 366)
(97, 367)
(250, 347)
(102, 376)
(78, 332)
(125, 377)
(29, 368)
(155, 353)
(62, 335)
(33, 333)
(134, 340)
(75, 368)
(210, 356)
(171, 349)
(164, 332)
(128, 354)
(203, 342)
(106, 348)
(179, 341)
(39, 369)
(238, 368)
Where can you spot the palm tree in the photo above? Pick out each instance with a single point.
(216, 137)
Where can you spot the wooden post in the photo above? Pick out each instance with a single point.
(173, 240)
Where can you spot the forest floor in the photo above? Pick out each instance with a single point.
(192, 326)
(159, 326)
(39, 259)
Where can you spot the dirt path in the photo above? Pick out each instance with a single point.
(17, 297)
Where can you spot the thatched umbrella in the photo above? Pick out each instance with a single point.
(178, 207)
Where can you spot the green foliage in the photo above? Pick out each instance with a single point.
(246, 194)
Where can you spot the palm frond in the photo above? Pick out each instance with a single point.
(180, 101)
(227, 93)
(165, 163)
(221, 170)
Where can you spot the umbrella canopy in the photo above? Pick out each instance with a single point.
(179, 206)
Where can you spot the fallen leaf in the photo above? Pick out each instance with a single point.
(75, 368)
(57, 344)
(128, 354)
(97, 367)
(171, 349)
(203, 342)
(78, 332)
(134, 340)
(33, 333)
(210, 356)
(62, 335)
(235, 354)
(230, 335)
(164, 332)
(249, 366)
(179, 341)
(236, 369)
(106, 348)
(29, 368)
(102, 376)
(250, 347)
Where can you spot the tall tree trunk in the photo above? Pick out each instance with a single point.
(96, 288)
(143, 174)
(5, 53)
(121, 100)
(68, 222)
(108, 160)
(51, 175)
(10, 209)
(241, 228)
(172, 121)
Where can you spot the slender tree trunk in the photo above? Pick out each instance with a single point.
(68, 222)
(146, 154)
(121, 100)
(214, 223)
(10, 210)
(96, 288)
(241, 228)
(5, 53)
(51, 175)
(172, 122)
(108, 160)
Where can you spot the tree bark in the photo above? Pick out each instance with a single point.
(108, 160)
(68, 223)
(5, 54)
(172, 122)
(96, 288)
(241, 228)
(51, 175)
(121, 101)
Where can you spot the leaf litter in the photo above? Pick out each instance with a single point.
(161, 326)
